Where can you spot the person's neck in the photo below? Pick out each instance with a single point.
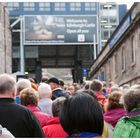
(6, 96)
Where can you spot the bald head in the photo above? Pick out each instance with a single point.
(7, 83)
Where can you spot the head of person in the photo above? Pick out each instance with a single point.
(90, 92)
(86, 85)
(96, 85)
(31, 80)
(136, 86)
(33, 84)
(76, 86)
(22, 84)
(44, 79)
(7, 86)
(44, 91)
(53, 82)
(81, 113)
(57, 105)
(131, 99)
(61, 83)
(29, 96)
(115, 88)
(70, 89)
(113, 101)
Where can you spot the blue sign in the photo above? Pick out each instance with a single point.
(120, 31)
(84, 72)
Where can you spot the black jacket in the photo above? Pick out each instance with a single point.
(58, 93)
(19, 120)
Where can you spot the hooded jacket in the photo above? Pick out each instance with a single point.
(128, 126)
(112, 116)
(53, 129)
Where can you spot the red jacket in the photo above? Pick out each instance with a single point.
(53, 129)
(101, 98)
(42, 117)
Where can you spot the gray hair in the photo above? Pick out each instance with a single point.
(131, 99)
(96, 85)
(57, 105)
(44, 90)
(7, 83)
(22, 84)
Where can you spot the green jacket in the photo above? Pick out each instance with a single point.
(128, 127)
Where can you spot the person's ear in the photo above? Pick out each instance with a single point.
(14, 92)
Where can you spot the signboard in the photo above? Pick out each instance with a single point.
(64, 29)
(123, 27)
(84, 72)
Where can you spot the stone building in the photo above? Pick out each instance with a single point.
(119, 60)
(5, 41)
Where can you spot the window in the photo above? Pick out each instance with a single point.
(60, 6)
(75, 6)
(29, 6)
(133, 50)
(13, 6)
(123, 58)
(103, 42)
(110, 70)
(113, 20)
(112, 30)
(105, 35)
(113, 6)
(90, 6)
(44, 6)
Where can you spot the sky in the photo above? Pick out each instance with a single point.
(128, 2)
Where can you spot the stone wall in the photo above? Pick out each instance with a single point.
(5, 41)
(117, 63)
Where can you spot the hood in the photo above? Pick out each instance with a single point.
(135, 121)
(112, 116)
(134, 117)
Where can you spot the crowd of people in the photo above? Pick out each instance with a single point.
(52, 109)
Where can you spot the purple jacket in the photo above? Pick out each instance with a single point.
(112, 116)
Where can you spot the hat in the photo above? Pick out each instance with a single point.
(53, 80)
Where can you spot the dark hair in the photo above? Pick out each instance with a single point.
(53, 80)
(81, 113)
(131, 99)
(61, 82)
(56, 105)
(96, 85)
(89, 92)
(114, 100)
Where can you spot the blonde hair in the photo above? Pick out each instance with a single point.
(29, 96)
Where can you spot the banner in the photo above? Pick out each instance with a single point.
(66, 29)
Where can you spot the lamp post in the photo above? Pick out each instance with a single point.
(22, 58)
